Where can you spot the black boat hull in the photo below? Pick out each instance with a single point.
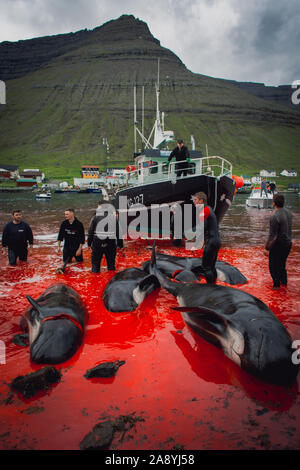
(219, 191)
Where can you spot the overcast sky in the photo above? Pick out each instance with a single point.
(244, 40)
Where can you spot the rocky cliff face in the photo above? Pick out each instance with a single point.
(17, 59)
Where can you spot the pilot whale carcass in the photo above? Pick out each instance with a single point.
(55, 321)
(238, 323)
(127, 290)
(169, 265)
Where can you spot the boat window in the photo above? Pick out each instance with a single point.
(154, 168)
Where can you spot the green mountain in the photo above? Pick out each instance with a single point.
(66, 93)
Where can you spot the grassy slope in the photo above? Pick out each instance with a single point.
(56, 117)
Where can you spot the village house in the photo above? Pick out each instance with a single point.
(289, 173)
(90, 171)
(26, 182)
(267, 173)
(35, 174)
(9, 172)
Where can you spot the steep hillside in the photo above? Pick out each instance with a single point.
(79, 89)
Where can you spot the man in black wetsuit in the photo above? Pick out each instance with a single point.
(103, 236)
(16, 235)
(182, 156)
(279, 243)
(72, 232)
(212, 241)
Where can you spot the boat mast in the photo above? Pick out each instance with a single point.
(143, 108)
(157, 98)
(134, 117)
(160, 135)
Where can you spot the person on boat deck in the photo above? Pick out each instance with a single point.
(72, 232)
(182, 156)
(279, 243)
(16, 235)
(104, 236)
(212, 240)
(263, 187)
(272, 187)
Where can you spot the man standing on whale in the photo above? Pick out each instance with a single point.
(212, 241)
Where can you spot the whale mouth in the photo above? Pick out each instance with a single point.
(259, 352)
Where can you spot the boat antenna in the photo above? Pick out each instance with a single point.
(208, 167)
(157, 95)
(143, 109)
(134, 116)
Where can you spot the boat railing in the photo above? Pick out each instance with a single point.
(210, 166)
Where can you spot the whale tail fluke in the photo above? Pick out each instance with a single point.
(149, 281)
(163, 280)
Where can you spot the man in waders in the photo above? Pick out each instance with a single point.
(279, 243)
(103, 236)
(212, 241)
(16, 236)
(72, 233)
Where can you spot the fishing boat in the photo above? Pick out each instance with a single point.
(151, 180)
(67, 190)
(258, 200)
(93, 188)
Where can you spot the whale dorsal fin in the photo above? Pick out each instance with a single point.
(203, 313)
(201, 310)
(34, 304)
(205, 318)
(151, 279)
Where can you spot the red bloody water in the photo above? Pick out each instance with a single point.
(185, 390)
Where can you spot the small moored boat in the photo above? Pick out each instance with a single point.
(43, 196)
(258, 200)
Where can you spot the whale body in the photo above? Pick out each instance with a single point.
(240, 324)
(169, 265)
(127, 290)
(56, 321)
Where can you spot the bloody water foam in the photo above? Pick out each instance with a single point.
(184, 391)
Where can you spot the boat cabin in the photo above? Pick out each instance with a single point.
(151, 166)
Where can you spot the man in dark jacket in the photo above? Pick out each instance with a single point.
(72, 233)
(104, 236)
(16, 235)
(182, 156)
(263, 188)
(279, 243)
(212, 240)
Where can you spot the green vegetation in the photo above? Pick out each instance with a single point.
(58, 114)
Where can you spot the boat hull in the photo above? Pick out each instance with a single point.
(219, 191)
(88, 190)
(260, 203)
